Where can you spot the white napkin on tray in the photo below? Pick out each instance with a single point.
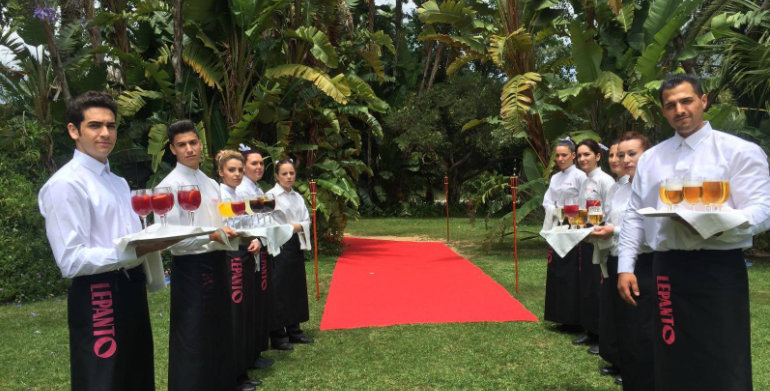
(706, 224)
(563, 241)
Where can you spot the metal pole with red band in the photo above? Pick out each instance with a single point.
(514, 195)
(446, 194)
(315, 239)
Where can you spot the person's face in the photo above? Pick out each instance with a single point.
(96, 135)
(187, 148)
(232, 173)
(563, 157)
(255, 167)
(286, 176)
(630, 151)
(616, 165)
(587, 159)
(683, 108)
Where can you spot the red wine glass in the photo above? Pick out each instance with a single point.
(140, 202)
(189, 198)
(162, 202)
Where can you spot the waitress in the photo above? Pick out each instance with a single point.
(242, 279)
(596, 187)
(634, 326)
(609, 300)
(561, 285)
(289, 282)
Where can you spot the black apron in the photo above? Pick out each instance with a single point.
(562, 300)
(262, 291)
(289, 291)
(610, 315)
(703, 338)
(590, 282)
(638, 330)
(200, 341)
(110, 336)
(242, 287)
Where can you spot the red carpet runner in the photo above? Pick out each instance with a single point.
(384, 283)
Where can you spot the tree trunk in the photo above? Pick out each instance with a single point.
(687, 65)
(56, 60)
(121, 35)
(399, 19)
(436, 64)
(176, 58)
(429, 48)
(371, 15)
(94, 34)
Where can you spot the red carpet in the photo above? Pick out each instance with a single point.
(384, 283)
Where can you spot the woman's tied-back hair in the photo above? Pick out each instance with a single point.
(226, 155)
(634, 135)
(282, 162)
(566, 142)
(592, 144)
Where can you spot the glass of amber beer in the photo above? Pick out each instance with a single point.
(662, 194)
(595, 215)
(712, 193)
(692, 189)
(673, 192)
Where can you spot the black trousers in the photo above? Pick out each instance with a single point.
(289, 302)
(610, 315)
(242, 308)
(110, 336)
(703, 338)
(562, 295)
(200, 335)
(262, 307)
(590, 282)
(637, 328)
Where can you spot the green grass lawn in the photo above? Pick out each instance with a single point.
(515, 355)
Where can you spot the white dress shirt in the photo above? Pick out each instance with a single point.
(207, 214)
(596, 186)
(290, 208)
(705, 153)
(615, 209)
(227, 193)
(86, 207)
(563, 185)
(248, 189)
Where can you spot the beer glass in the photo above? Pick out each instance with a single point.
(674, 192)
(595, 215)
(582, 217)
(725, 194)
(712, 193)
(692, 189)
(663, 197)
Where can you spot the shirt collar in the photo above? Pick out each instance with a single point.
(278, 189)
(694, 139)
(184, 170)
(90, 163)
(250, 183)
(596, 171)
(624, 179)
(570, 169)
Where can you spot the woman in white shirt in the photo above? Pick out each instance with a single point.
(242, 278)
(561, 285)
(289, 282)
(595, 189)
(633, 326)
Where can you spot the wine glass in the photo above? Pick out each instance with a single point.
(571, 210)
(249, 212)
(140, 202)
(269, 205)
(189, 198)
(257, 205)
(712, 193)
(239, 208)
(226, 211)
(674, 191)
(162, 202)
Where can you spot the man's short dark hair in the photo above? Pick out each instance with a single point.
(675, 80)
(179, 127)
(87, 100)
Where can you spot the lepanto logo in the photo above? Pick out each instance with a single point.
(104, 323)
(666, 310)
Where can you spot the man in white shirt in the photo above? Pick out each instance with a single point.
(702, 340)
(200, 325)
(86, 207)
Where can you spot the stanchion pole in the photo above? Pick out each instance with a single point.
(446, 194)
(315, 240)
(514, 194)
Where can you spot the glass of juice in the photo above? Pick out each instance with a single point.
(140, 203)
(162, 201)
(189, 198)
(226, 211)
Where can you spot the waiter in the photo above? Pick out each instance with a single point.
(702, 340)
(199, 356)
(253, 171)
(86, 207)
